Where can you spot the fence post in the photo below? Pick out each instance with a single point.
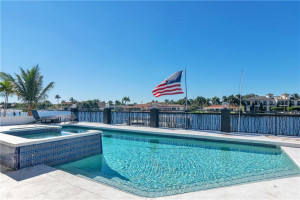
(129, 115)
(107, 116)
(154, 112)
(90, 115)
(275, 123)
(225, 120)
(75, 112)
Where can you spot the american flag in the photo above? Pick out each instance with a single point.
(170, 86)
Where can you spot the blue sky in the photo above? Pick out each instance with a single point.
(108, 50)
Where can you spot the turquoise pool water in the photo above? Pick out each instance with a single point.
(153, 166)
(43, 135)
(72, 129)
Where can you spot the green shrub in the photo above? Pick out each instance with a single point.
(293, 108)
(277, 108)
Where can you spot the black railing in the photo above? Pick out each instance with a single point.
(90, 116)
(120, 117)
(206, 121)
(200, 121)
(131, 118)
(173, 120)
(275, 124)
(139, 118)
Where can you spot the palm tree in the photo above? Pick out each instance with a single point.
(6, 89)
(215, 100)
(125, 100)
(72, 100)
(167, 101)
(191, 101)
(200, 101)
(29, 87)
(57, 97)
(296, 95)
(224, 99)
(117, 102)
(231, 99)
(208, 101)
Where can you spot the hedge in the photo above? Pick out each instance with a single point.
(293, 108)
(277, 108)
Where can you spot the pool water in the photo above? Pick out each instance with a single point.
(73, 129)
(43, 135)
(153, 166)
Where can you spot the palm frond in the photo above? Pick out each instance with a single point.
(6, 77)
(43, 94)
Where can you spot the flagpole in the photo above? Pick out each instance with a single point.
(239, 122)
(186, 105)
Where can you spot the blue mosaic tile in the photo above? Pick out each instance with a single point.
(50, 153)
(62, 151)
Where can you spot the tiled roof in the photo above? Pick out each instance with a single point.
(158, 105)
(259, 98)
(67, 103)
(219, 106)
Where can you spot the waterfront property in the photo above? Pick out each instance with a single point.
(218, 108)
(158, 154)
(164, 107)
(265, 103)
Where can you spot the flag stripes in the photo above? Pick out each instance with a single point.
(170, 86)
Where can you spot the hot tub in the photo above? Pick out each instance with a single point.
(25, 147)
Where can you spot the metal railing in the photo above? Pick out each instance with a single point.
(201, 121)
(206, 121)
(90, 116)
(275, 124)
(131, 118)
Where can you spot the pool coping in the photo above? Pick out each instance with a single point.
(58, 184)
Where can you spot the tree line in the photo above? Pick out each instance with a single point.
(200, 102)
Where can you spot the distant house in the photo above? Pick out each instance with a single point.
(161, 106)
(218, 108)
(102, 104)
(68, 105)
(116, 107)
(265, 103)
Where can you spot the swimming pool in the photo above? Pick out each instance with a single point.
(153, 166)
(73, 129)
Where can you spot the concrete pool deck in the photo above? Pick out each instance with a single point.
(44, 182)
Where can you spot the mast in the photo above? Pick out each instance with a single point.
(239, 122)
(186, 106)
